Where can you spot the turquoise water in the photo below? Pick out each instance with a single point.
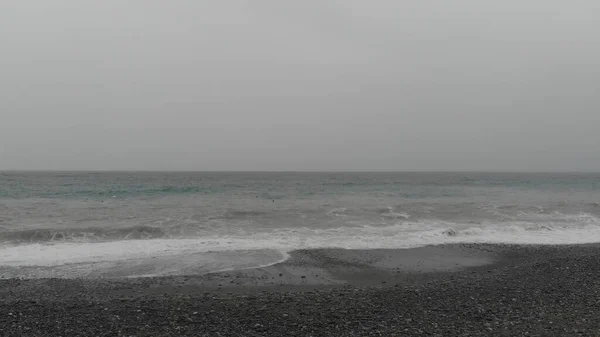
(98, 185)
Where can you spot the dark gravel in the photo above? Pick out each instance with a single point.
(532, 291)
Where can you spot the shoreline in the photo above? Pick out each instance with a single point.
(449, 290)
(318, 267)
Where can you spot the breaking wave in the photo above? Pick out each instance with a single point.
(83, 235)
(148, 250)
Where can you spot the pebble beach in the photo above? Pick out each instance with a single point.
(452, 290)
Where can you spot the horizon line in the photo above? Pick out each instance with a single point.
(290, 171)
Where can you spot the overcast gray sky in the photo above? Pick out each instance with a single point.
(300, 85)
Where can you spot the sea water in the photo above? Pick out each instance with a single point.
(110, 224)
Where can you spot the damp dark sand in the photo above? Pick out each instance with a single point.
(453, 290)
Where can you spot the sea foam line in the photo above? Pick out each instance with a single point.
(398, 236)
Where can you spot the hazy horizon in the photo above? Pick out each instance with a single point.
(315, 86)
(295, 171)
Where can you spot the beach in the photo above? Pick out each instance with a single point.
(448, 290)
(299, 254)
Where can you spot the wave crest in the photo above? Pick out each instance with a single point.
(84, 235)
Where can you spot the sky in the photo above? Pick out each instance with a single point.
(342, 85)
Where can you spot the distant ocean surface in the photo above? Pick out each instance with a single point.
(110, 224)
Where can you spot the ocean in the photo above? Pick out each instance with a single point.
(135, 224)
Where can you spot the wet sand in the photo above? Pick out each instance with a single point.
(452, 290)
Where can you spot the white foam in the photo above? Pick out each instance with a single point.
(573, 229)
